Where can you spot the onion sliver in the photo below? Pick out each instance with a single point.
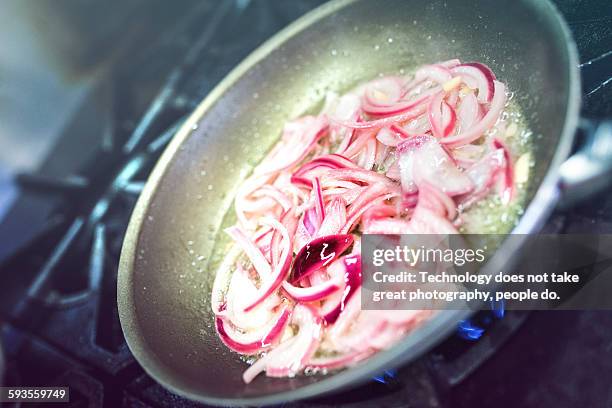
(335, 218)
(437, 73)
(318, 253)
(259, 261)
(311, 293)
(253, 342)
(485, 173)
(507, 191)
(469, 135)
(280, 271)
(429, 162)
(378, 123)
(319, 204)
(316, 167)
(289, 359)
(222, 278)
(350, 268)
(468, 112)
(483, 76)
(339, 361)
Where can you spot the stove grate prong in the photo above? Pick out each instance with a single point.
(164, 138)
(134, 187)
(44, 183)
(97, 257)
(166, 95)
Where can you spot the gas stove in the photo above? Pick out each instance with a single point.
(60, 241)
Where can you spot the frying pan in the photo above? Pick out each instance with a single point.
(164, 284)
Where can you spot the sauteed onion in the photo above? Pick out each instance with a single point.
(397, 155)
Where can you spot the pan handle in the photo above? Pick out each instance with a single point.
(589, 169)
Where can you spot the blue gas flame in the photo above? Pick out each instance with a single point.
(469, 331)
(385, 376)
(498, 308)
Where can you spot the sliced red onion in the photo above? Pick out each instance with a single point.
(419, 133)
(425, 221)
(379, 211)
(452, 98)
(256, 341)
(434, 112)
(386, 226)
(275, 194)
(482, 74)
(299, 138)
(319, 204)
(487, 171)
(259, 261)
(335, 219)
(359, 143)
(436, 73)
(469, 111)
(315, 168)
(409, 200)
(417, 126)
(302, 236)
(338, 361)
(246, 189)
(383, 153)
(383, 92)
(311, 221)
(359, 337)
(346, 141)
(311, 293)
(426, 160)
(262, 235)
(241, 291)
(393, 135)
(280, 270)
(222, 279)
(360, 175)
(348, 194)
(450, 63)
(378, 123)
(393, 172)
(467, 155)
(387, 137)
(258, 205)
(397, 108)
(482, 174)
(374, 195)
(385, 336)
(413, 143)
(343, 317)
(369, 155)
(290, 222)
(400, 132)
(290, 358)
(317, 254)
(507, 190)
(348, 267)
(260, 365)
(473, 133)
(405, 317)
(435, 200)
(347, 107)
(449, 119)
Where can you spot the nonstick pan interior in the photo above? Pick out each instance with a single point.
(164, 281)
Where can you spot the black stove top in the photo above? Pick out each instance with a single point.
(60, 242)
